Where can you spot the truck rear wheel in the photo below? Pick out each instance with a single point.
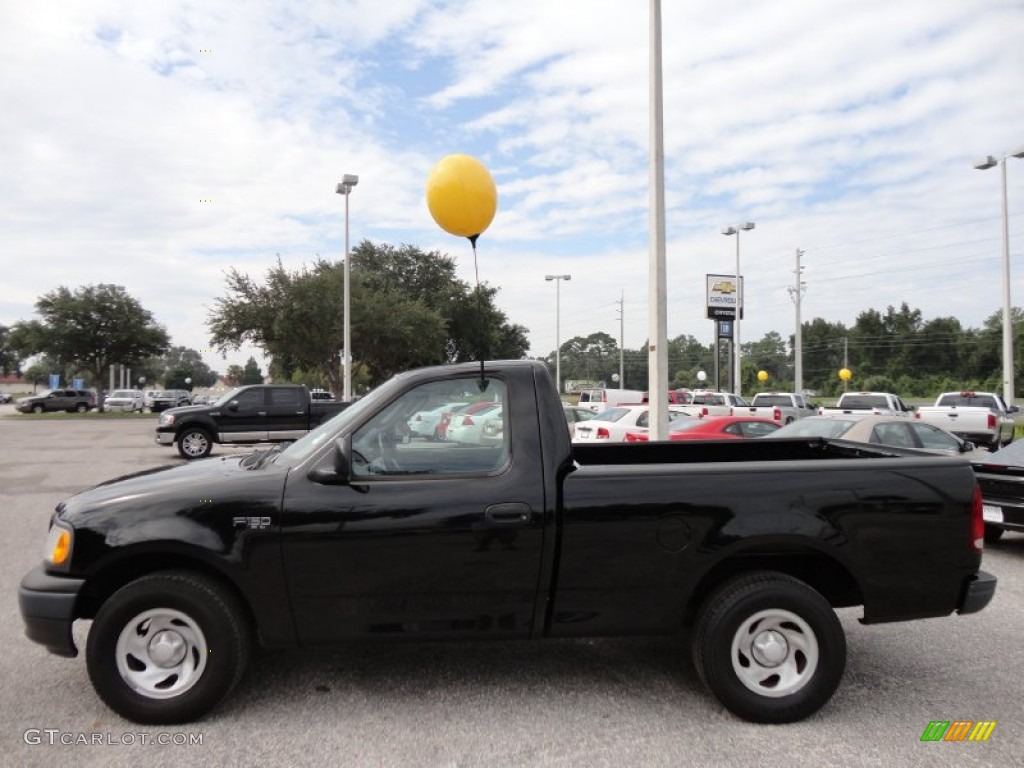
(167, 648)
(769, 647)
(194, 443)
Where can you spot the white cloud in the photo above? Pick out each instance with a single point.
(845, 129)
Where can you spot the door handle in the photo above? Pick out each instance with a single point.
(261, 413)
(508, 514)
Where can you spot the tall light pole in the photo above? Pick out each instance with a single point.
(345, 188)
(737, 381)
(984, 164)
(558, 326)
(796, 293)
(657, 290)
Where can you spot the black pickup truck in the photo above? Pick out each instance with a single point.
(259, 413)
(359, 532)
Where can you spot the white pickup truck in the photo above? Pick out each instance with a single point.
(705, 403)
(884, 403)
(981, 417)
(781, 407)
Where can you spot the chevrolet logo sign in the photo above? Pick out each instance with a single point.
(724, 286)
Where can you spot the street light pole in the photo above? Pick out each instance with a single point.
(737, 381)
(345, 188)
(558, 326)
(1008, 367)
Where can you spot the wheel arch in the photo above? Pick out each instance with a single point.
(120, 572)
(819, 570)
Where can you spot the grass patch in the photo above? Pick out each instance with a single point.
(93, 415)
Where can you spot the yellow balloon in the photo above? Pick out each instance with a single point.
(845, 374)
(762, 375)
(461, 196)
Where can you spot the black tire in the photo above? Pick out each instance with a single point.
(38, 408)
(195, 617)
(799, 635)
(993, 533)
(194, 443)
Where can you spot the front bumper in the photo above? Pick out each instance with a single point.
(978, 592)
(164, 438)
(47, 606)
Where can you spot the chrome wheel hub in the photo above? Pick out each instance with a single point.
(774, 653)
(161, 653)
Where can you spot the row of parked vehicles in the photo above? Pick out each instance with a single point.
(118, 400)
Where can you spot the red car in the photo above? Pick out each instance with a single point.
(714, 428)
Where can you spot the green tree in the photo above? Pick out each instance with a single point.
(408, 309)
(10, 358)
(93, 328)
(251, 373)
(234, 375)
(180, 363)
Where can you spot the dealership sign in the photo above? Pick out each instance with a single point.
(723, 295)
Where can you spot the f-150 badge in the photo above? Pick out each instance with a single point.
(257, 523)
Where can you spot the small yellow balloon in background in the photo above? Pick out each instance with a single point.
(762, 376)
(845, 374)
(461, 196)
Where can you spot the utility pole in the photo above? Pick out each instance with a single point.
(846, 361)
(796, 293)
(622, 349)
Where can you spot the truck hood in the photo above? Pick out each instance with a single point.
(163, 502)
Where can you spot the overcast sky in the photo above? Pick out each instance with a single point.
(846, 129)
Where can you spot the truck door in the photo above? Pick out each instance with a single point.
(244, 419)
(428, 538)
(287, 413)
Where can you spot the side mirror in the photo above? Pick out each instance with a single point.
(1014, 409)
(233, 406)
(967, 447)
(338, 472)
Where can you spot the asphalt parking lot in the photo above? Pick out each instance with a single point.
(633, 702)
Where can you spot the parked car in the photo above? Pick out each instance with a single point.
(467, 427)
(574, 414)
(321, 394)
(70, 400)
(147, 398)
(446, 418)
(740, 551)
(124, 400)
(169, 398)
(5, 397)
(200, 399)
(612, 425)
(426, 423)
(891, 429)
(1001, 479)
(714, 428)
(458, 415)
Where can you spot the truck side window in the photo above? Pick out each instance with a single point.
(285, 397)
(476, 440)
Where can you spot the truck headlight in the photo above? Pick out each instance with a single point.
(166, 419)
(58, 545)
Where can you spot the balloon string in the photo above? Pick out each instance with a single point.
(480, 309)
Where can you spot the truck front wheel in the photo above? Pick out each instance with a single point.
(769, 647)
(194, 443)
(167, 648)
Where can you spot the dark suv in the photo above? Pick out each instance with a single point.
(69, 400)
(170, 398)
